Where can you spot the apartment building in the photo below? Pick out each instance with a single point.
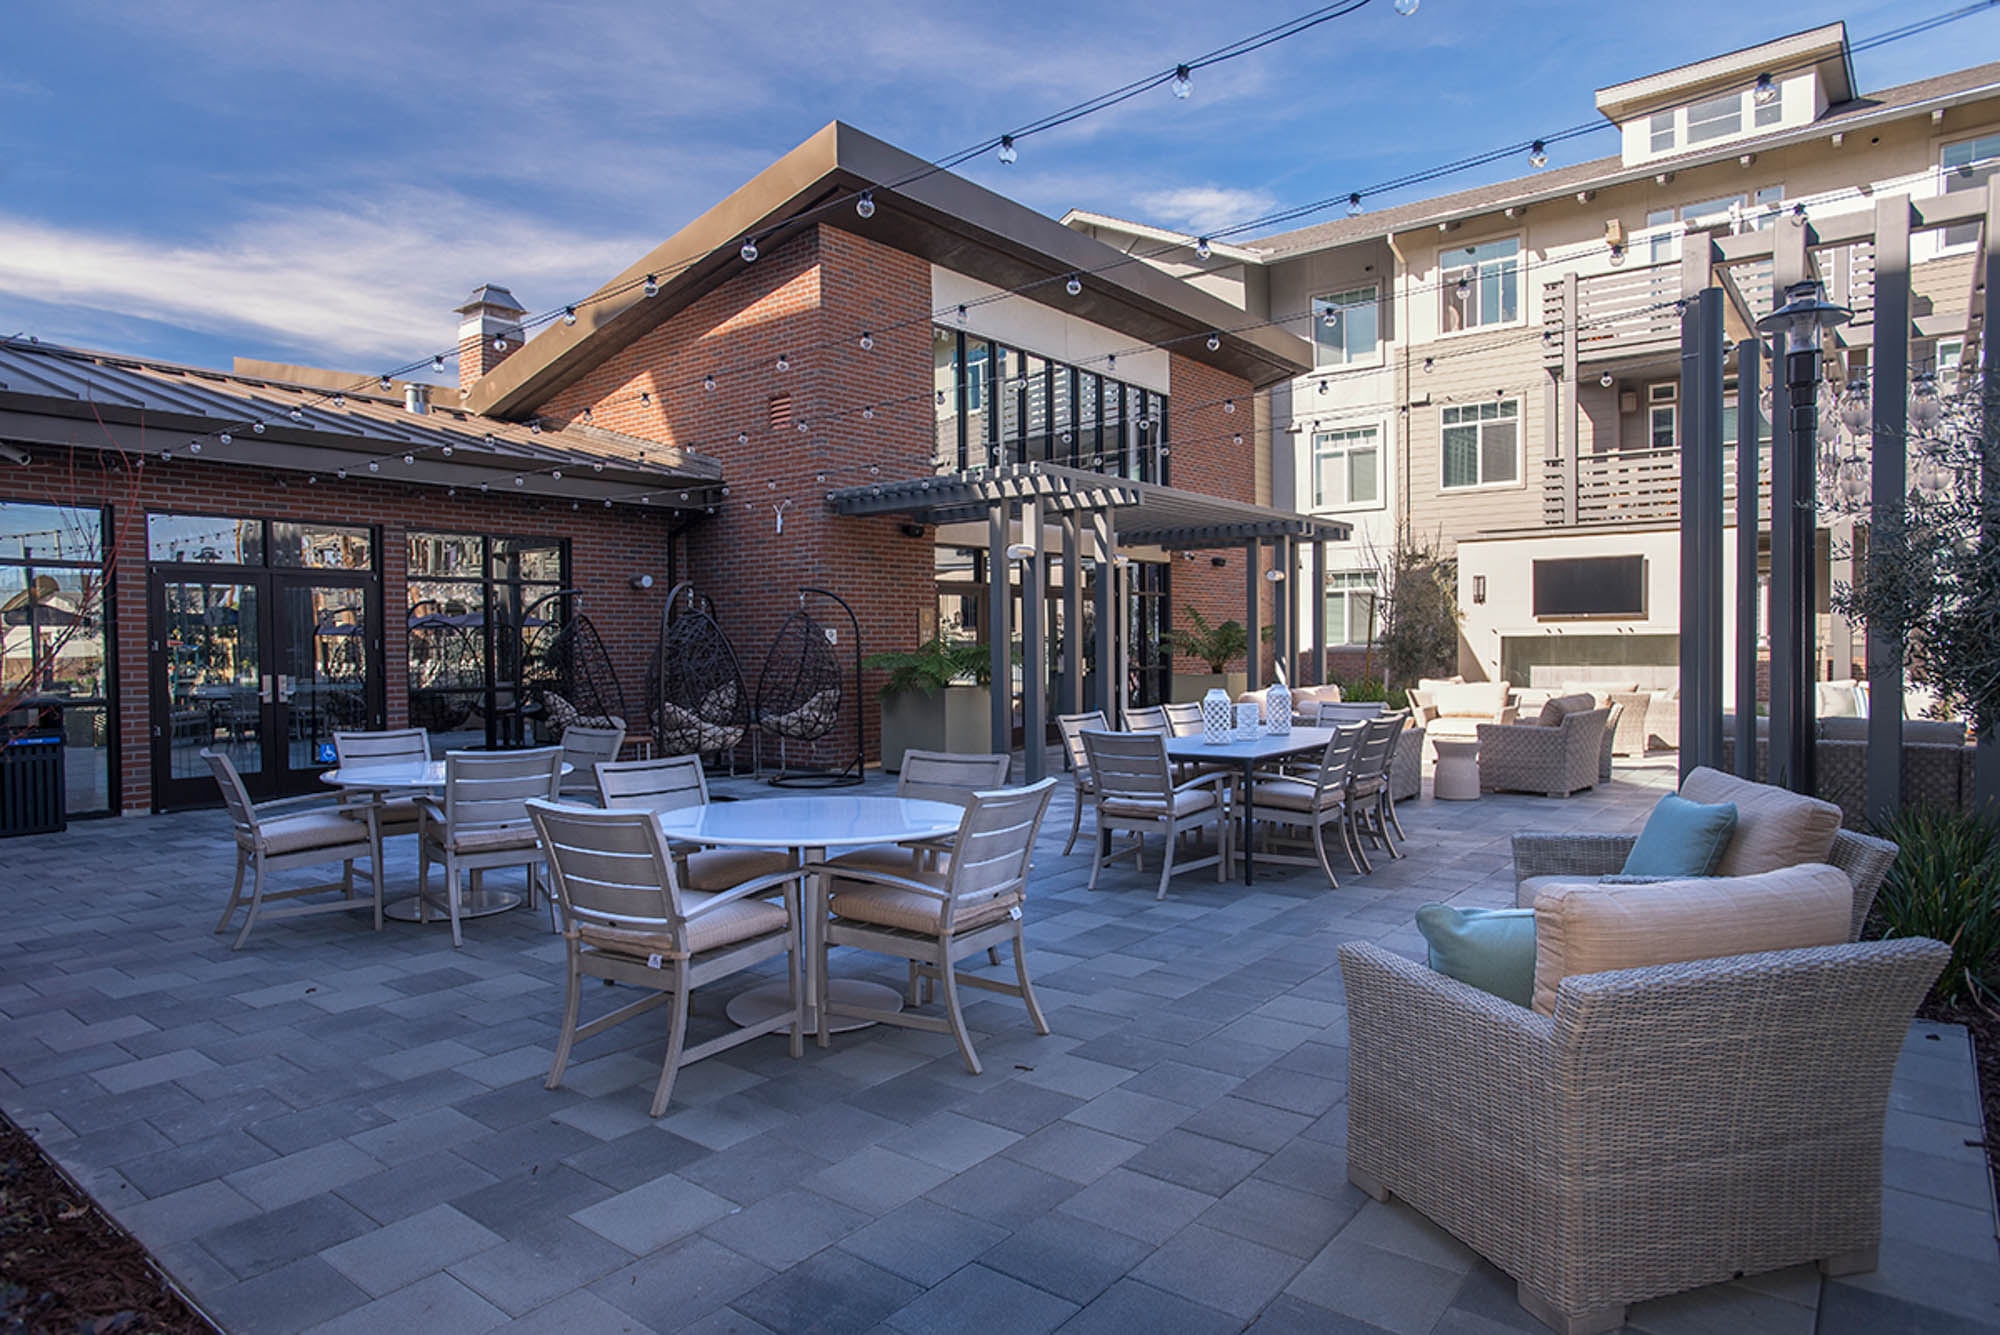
(1498, 368)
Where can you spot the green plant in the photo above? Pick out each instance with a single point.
(1363, 690)
(932, 665)
(1945, 884)
(1217, 646)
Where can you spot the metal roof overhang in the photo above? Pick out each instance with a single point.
(1147, 513)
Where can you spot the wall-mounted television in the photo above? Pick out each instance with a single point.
(1591, 586)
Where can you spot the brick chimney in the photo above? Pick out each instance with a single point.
(490, 313)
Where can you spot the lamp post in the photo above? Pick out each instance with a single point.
(1797, 328)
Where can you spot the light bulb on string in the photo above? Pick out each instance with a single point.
(383, 381)
(708, 382)
(1074, 286)
(1765, 92)
(374, 465)
(784, 362)
(569, 315)
(868, 413)
(297, 414)
(743, 438)
(499, 342)
(1406, 7)
(257, 428)
(1214, 342)
(1354, 205)
(961, 315)
(1007, 153)
(749, 251)
(1464, 287)
(867, 340)
(1606, 380)
(518, 481)
(1183, 82)
(194, 447)
(1202, 250)
(1111, 361)
(1617, 254)
(446, 451)
(1538, 155)
(1429, 362)
(409, 459)
(652, 287)
(535, 427)
(1229, 406)
(225, 438)
(865, 206)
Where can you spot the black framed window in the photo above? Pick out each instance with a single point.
(475, 603)
(55, 640)
(999, 405)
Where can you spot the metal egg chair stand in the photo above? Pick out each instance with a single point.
(800, 692)
(695, 699)
(447, 667)
(565, 670)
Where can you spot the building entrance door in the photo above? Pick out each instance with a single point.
(263, 666)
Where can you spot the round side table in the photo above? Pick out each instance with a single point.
(1456, 777)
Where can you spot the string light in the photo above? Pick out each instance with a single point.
(1007, 152)
(1766, 92)
(1538, 155)
(1214, 342)
(1406, 7)
(409, 459)
(708, 382)
(867, 340)
(437, 363)
(569, 315)
(749, 251)
(1607, 380)
(383, 381)
(1354, 205)
(1229, 406)
(194, 446)
(297, 414)
(1202, 250)
(784, 362)
(1074, 286)
(652, 287)
(961, 315)
(257, 428)
(1183, 82)
(865, 206)
(225, 438)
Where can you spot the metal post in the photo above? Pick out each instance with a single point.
(1701, 531)
(1889, 370)
(1318, 595)
(1072, 652)
(999, 633)
(1749, 408)
(1252, 627)
(1572, 418)
(1034, 647)
(1291, 622)
(1793, 412)
(1104, 531)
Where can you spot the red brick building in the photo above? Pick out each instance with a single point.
(250, 559)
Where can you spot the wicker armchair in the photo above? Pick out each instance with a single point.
(1406, 770)
(1665, 1128)
(1609, 744)
(1529, 758)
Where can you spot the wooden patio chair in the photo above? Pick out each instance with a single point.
(482, 823)
(674, 783)
(1312, 799)
(395, 816)
(294, 832)
(1136, 792)
(1072, 727)
(584, 747)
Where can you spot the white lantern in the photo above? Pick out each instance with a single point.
(1218, 717)
(1278, 708)
(1247, 722)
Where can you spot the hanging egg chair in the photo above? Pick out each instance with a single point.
(695, 699)
(566, 670)
(801, 691)
(447, 666)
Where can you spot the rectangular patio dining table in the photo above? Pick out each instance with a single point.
(1262, 748)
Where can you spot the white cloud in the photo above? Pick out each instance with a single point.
(1201, 208)
(369, 284)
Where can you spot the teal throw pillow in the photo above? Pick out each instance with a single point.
(1682, 838)
(1490, 949)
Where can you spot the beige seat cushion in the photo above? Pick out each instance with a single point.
(309, 830)
(891, 859)
(1533, 887)
(724, 868)
(1292, 794)
(1471, 699)
(1583, 929)
(737, 921)
(1559, 707)
(494, 838)
(402, 811)
(912, 911)
(1774, 828)
(1187, 802)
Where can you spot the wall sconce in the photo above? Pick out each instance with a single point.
(1479, 588)
(1218, 561)
(1020, 551)
(641, 581)
(1274, 575)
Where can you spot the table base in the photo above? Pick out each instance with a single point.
(471, 904)
(761, 1003)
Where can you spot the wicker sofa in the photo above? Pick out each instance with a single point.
(1663, 1128)
(1454, 709)
(1937, 763)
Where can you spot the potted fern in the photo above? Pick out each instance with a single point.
(937, 698)
(1215, 646)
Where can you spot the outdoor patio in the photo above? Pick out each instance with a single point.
(343, 1131)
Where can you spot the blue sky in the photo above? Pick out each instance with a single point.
(322, 182)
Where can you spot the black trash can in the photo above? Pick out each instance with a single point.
(31, 773)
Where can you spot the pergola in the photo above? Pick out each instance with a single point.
(1095, 514)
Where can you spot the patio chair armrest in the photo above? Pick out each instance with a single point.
(1215, 780)
(838, 872)
(1585, 856)
(428, 809)
(755, 886)
(306, 801)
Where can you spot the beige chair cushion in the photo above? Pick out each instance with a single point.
(1559, 707)
(309, 830)
(1774, 828)
(1313, 695)
(1534, 887)
(1431, 685)
(1583, 929)
(911, 911)
(401, 811)
(1291, 794)
(733, 922)
(1471, 699)
(891, 859)
(1187, 802)
(494, 838)
(725, 868)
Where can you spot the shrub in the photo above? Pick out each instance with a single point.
(1945, 884)
(1217, 646)
(932, 666)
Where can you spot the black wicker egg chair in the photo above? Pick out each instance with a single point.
(695, 699)
(802, 689)
(447, 666)
(566, 670)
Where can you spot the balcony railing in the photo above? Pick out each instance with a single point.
(1628, 487)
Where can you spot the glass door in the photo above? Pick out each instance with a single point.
(324, 653)
(212, 688)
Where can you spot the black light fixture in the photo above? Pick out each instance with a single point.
(1479, 588)
(913, 530)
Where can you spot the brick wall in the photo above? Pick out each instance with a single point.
(606, 546)
(807, 299)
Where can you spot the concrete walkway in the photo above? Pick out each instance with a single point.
(335, 1130)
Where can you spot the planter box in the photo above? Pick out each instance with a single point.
(31, 784)
(1192, 686)
(957, 718)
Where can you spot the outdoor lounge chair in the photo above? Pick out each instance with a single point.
(936, 917)
(296, 832)
(627, 919)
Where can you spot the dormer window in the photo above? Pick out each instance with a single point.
(1662, 127)
(1716, 118)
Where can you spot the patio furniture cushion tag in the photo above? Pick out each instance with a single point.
(653, 961)
(1015, 913)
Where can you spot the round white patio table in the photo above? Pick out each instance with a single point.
(410, 778)
(807, 826)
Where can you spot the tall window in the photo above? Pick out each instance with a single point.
(998, 405)
(476, 605)
(52, 635)
(1660, 131)
(1661, 416)
(1950, 356)
(1968, 166)
(1350, 607)
(1482, 444)
(1347, 468)
(1482, 285)
(1346, 327)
